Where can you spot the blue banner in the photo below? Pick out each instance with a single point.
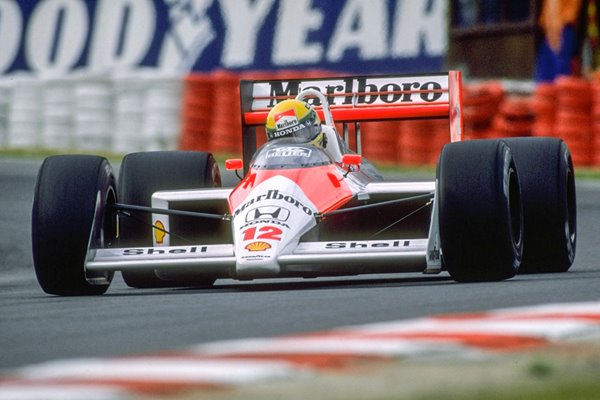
(354, 36)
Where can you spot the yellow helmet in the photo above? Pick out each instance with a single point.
(293, 119)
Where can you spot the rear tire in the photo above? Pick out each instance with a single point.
(481, 217)
(71, 209)
(140, 176)
(549, 203)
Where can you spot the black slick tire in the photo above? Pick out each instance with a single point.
(480, 211)
(71, 209)
(141, 175)
(549, 203)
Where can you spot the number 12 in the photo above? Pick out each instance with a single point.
(264, 232)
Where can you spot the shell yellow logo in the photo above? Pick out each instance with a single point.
(258, 246)
(159, 232)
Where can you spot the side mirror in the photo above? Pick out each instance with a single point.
(352, 159)
(351, 162)
(233, 164)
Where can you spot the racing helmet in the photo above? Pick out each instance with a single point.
(294, 119)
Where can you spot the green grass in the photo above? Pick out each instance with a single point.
(587, 173)
(582, 390)
(545, 378)
(40, 153)
(592, 173)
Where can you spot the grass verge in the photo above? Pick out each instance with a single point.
(591, 173)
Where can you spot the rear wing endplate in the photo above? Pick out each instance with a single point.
(358, 98)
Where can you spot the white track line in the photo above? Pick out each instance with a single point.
(27, 391)
(160, 369)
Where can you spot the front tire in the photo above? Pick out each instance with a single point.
(481, 217)
(71, 210)
(140, 176)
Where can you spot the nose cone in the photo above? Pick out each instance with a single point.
(269, 223)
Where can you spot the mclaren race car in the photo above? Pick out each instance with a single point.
(496, 207)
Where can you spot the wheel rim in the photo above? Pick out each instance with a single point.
(109, 229)
(105, 235)
(571, 207)
(514, 207)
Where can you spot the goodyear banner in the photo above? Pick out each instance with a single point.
(54, 37)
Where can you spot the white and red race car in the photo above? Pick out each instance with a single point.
(495, 208)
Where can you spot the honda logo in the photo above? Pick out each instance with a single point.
(268, 213)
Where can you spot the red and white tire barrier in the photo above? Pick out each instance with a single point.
(240, 362)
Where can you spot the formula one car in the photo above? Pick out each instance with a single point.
(495, 208)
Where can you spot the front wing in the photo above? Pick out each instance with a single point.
(383, 255)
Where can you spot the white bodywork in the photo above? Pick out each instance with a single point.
(268, 224)
(284, 257)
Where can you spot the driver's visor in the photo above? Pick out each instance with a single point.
(302, 132)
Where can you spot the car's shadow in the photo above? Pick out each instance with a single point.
(292, 284)
(119, 289)
(333, 283)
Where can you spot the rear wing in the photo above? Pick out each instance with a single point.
(358, 98)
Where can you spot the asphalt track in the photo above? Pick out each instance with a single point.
(35, 327)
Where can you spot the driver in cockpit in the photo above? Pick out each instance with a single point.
(296, 120)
